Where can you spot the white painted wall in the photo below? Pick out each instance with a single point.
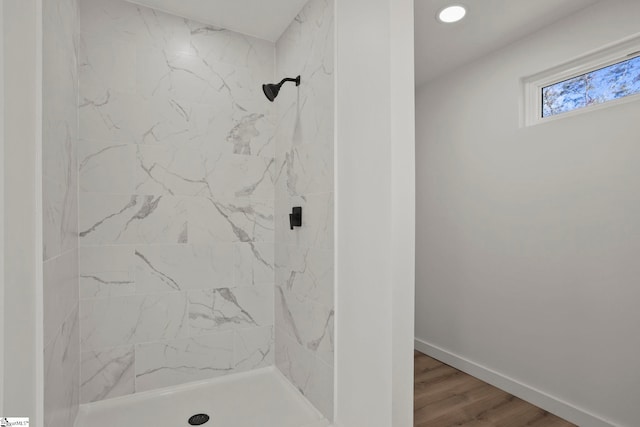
(403, 209)
(528, 238)
(23, 351)
(2, 347)
(374, 213)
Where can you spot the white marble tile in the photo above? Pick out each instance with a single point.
(187, 76)
(108, 115)
(306, 272)
(306, 169)
(217, 44)
(230, 220)
(60, 291)
(116, 117)
(238, 176)
(109, 219)
(306, 48)
(309, 375)
(59, 140)
(62, 374)
(321, 423)
(202, 171)
(176, 362)
(170, 268)
(107, 168)
(60, 135)
(60, 24)
(183, 76)
(60, 217)
(308, 41)
(134, 24)
(106, 283)
(310, 324)
(305, 114)
(247, 130)
(295, 363)
(107, 271)
(288, 125)
(173, 169)
(316, 110)
(319, 388)
(113, 322)
(60, 91)
(107, 374)
(177, 173)
(62, 21)
(147, 27)
(253, 263)
(107, 63)
(253, 348)
(253, 131)
(215, 310)
(60, 77)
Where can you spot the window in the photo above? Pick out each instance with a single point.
(609, 76)
(605, 84)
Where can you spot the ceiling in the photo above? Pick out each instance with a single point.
(489, 25)
(265, 19)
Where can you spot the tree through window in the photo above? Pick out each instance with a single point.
(596, 87)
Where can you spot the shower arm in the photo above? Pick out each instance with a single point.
(288, 79)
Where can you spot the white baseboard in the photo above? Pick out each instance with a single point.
(539, 398)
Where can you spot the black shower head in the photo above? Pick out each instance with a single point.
(271, 90)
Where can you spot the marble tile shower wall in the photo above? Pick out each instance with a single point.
(60, 206)
(304, 157)
(177, 170)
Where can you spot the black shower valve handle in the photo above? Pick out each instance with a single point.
(295, 217)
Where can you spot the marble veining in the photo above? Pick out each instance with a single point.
(106, 284)
(177, 174)
(232, 220)
(312, 377)
(109, 219)
(60, 291)
(107, 374)
(62, 374)
(60, 134)
(230, 308)
(307, 272)
(254, 263)
(200, 172)
(112, 322)
(165, 364)
(304, 294)
(254, 348)
(187, 174)
(310, 324)
(183, 267)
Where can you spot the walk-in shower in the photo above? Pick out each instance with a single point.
(183, 290)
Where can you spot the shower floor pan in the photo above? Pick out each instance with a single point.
(261, 398)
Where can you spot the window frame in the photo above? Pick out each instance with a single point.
(614, 53)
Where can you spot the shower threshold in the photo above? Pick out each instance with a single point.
(261, 398)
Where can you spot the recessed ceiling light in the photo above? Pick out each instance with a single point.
(452, 14)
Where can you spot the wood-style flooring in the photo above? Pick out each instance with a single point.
(446, 397)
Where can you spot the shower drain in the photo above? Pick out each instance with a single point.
(198, 419)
